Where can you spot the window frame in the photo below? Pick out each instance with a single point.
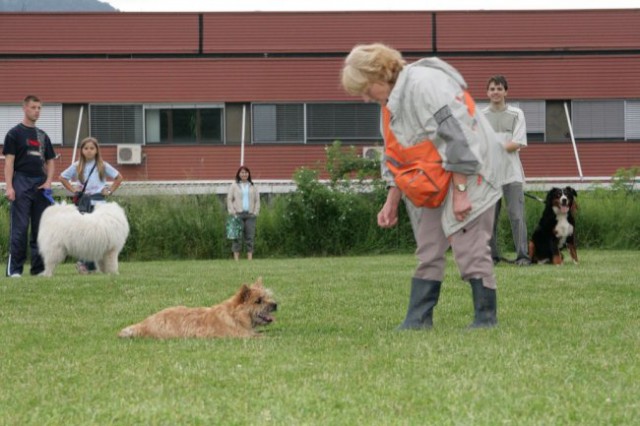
(50, 120)
(375, 136)
(182, 106)
(137, 128)
(632, 120)
(600, 110)
(256, 133)
(305, 124)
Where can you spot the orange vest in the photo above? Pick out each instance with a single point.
(417, 169)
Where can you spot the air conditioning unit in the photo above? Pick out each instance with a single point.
(373, 152)
(129, 154)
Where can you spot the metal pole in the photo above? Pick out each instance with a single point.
(75, 144)
(244, 118)
(573, 141)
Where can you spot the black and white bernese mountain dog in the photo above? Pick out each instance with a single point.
(556, 228)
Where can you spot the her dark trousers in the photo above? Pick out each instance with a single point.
(27, 207)
(248, 233)
(90, 265)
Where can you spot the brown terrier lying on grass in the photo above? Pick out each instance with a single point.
(238, 316)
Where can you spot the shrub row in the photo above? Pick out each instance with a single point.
(339, 218)
(321, 220)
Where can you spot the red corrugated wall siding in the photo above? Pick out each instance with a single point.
(549, 160)
(597, 159)
(175, 80)
(538, 30)
(209, 162)
(279, 162)
(298, 79)
(564, 77)
(97, 33)
(545, 74)
(314, 32)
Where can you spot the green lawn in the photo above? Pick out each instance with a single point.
(565, 351)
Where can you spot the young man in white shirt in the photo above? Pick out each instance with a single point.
(509, 123)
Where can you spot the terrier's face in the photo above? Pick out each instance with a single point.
(258, 302)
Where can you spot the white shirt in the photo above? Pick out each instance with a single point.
(510, 126)
(94, 185)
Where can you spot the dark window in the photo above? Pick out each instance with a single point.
(349, 122)
(599, 119)
(113, 124)
(278, 123)
(184, 125)
(632, 120)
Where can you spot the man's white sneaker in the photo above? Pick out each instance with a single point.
(15, 276)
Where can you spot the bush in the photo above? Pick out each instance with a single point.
(327, 220)
(336, 219)
(175, 227)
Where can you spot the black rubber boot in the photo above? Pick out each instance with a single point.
(484, 305)
(424, 297)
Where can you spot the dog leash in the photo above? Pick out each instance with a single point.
(534, 197)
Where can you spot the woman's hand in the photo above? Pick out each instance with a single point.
(461, 205)
(388, 215)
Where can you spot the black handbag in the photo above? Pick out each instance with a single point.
(82, 200)
(84, 204)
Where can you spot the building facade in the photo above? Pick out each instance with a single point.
(191, 96)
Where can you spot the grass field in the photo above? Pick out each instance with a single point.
(565, 351)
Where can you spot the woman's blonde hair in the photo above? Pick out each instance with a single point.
(83, 161)
(370, 63)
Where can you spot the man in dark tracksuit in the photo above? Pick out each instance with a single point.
(28, 172)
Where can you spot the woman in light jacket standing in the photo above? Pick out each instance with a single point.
(428, 100)
(243, 201)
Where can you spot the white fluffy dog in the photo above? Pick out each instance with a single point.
(97, 236)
